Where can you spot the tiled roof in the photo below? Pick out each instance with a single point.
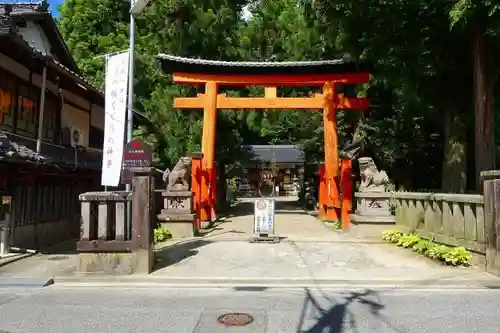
(277, 153)
(170, 63)
(14, 147)
(59, 65)
(22, 7)
(40, 8)
(40, 12)
(46, 57)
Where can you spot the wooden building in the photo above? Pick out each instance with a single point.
(279, 165)
(51, 128)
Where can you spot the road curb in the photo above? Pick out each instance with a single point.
(10, 260)
(25, 282)
(262, 287)
(148, 281)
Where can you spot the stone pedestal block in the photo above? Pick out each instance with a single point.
(177, 213)
(373, 207)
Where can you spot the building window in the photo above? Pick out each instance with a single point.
(27, 112)
(49, 117)
(96, 137)
(7, 99)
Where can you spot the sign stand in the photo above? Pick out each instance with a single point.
(136, 154)
(264, 217)
(5, 225)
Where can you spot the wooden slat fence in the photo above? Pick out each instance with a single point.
(103, 222)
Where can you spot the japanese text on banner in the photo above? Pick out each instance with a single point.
(114, 119)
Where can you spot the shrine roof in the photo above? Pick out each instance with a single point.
(170, 64)
(276, 153)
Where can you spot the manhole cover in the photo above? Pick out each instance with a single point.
(235, 319)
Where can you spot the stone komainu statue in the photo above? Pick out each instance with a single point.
(372, 180)
(178, 178)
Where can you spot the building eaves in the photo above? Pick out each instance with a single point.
(40, 11)
(13, 33)
(17, 148)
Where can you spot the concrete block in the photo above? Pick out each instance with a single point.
(179, 229)
(115, 263)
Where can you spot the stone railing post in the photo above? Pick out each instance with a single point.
(491, 189)
(143, 218)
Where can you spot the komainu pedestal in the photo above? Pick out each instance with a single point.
(177, 215)
(372, 198)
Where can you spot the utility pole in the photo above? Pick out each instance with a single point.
(136, 7)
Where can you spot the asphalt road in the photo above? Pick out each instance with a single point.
(63, 310)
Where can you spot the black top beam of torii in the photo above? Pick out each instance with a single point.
(169, 64)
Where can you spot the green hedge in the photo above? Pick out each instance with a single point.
(454, 256)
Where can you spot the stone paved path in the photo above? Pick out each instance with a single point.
(309, 251)
(291, 222)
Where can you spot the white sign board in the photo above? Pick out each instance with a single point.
(264, 216)
(137, 6)
(115, 109)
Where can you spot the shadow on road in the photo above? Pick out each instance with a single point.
(178, 252)
(337, 317)
(63, 248)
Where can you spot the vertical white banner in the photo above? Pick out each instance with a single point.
(114, 119)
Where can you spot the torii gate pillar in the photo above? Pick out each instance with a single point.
(331, 202)
(208, 149)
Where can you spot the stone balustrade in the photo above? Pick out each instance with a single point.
(108, 244)
(452, 219)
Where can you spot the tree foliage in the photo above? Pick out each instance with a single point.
(425, 119)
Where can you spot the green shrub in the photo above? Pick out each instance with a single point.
(392, 235)
(337, 225)
(454, 256)
(458, 256)
(161, 234)
(422, 246)
(407, 241)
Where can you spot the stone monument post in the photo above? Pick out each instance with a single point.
(372, 198)
(491, 188)
(177, 213)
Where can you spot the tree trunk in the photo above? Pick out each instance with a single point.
(483, 105)
(454, 179)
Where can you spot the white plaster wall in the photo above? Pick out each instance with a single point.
(34, 35)
(78, 119)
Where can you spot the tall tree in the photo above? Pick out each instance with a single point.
(192, 28)
(479, 19)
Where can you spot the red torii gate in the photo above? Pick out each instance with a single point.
(213, 74)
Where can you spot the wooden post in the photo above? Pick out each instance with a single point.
(270, 92)
(213, 193)
(143, 218)
(346, 186)
(322, 193)
(491, 188)
(208, 149)
(331, 152)
(196, 171)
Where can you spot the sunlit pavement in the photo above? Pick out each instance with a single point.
(63, 310)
